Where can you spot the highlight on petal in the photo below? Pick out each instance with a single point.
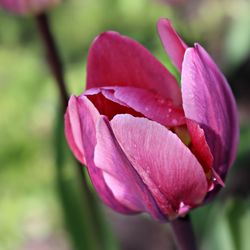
(120, 176)
(116, 60)
(208, 100)
(73, 131)
(138, 102)
(168, 168)
(88, 117)
(171, 41)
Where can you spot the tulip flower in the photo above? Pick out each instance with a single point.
(174, 2)
(149, 145)
(27, 7)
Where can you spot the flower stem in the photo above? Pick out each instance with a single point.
(184, 234)
(92, 214)
(53, 57)
(57, 71)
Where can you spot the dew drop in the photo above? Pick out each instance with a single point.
(214, 179)
(161, 101)
(174, 121)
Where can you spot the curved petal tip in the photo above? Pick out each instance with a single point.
(171, 41)
(116, 60)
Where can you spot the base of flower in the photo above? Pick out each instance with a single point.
(184, 234)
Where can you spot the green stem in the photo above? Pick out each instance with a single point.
(56, 67)
(184, 234)
(53, 57)
(92, 231)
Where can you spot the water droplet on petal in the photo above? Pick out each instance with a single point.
(214, 179)
(174, 121)
(161, 101)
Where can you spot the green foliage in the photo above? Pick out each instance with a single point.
(225, 224)
(238, 37)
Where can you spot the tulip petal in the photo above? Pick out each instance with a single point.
(25, 7)
(73, 131)
(15, 6)
(169, 169)
(88, 117)
(119, 174)
(137, 102)
(201, 150)
(171, 41)
(116, 60)
(106, 104)
(208, 100)
(199, 145)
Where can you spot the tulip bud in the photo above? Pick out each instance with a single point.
(27, 7)
(149, 145)
(174, 2)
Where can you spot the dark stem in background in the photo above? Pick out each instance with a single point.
(56, 67)
(184, 234)
(53, 57)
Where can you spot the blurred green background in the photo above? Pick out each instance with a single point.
(36, 198)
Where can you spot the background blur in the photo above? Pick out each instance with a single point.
(36, 198)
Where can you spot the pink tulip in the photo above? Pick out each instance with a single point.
(148, 145)
(27, 7)
(174, 2)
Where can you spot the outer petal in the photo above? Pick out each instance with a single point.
(116, 60)
(172, 43)
(138, 102)
(208, 100)
(13, 5)
(25, 7)
(73, 131)
(165, 164)
(87, 119)
(119, 174)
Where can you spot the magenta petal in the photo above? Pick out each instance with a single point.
(169, 169)
(151, 105)
(106, 104)
(119, 174)
(208, 100)
(73, 131)
(88, 117)
(172, 43)
(142, 101)
(199, 145)
(25, 7)
(116, 60)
